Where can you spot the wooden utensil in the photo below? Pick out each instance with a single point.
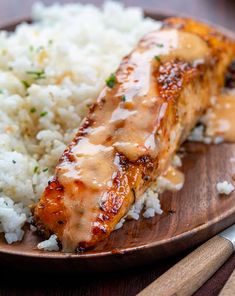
(194, 270)
(229, 288)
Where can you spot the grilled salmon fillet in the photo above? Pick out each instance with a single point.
(131, 133)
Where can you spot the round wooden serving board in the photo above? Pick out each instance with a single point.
(190, 217)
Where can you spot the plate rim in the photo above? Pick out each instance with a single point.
(61, 255)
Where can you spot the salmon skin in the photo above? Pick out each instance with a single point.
(143, 114)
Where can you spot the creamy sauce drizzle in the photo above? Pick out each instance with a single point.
(220, 119)
(128, 127)
(175, 177)
(172, 179)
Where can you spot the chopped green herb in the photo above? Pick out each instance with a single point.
(157, 58)
(36, 170)
(40, 74)
(111, 81)
(45, 170)
(50, 42)
(13, 161)
(33, 110)
(124, 98)
(1, 91)
(25, 84)
(10, 68)
(160, 45)
(44, 113)
(31, 48)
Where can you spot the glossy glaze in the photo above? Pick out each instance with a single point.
(132, 131)
(220, 118)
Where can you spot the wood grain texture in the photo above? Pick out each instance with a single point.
(229, 288)
(189, 274)
(130, 282)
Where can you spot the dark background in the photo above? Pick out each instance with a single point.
(220, 12)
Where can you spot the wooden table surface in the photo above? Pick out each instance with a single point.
(129, 282)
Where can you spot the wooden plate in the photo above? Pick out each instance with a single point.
(190, 217)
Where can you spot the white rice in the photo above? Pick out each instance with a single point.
(149, 202)
(203, 132)
(225, 187)
(50, 244)
(50, 72)
(198, 134)
(176, 161)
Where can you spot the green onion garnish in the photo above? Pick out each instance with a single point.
(36, 170)
(124, 98)
(111, 81)
(25, 84)
(40, 74)
(33, 110)
(157, 58)
(44, 113)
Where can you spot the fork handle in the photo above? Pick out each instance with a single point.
(188, 275)
(229, 288)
